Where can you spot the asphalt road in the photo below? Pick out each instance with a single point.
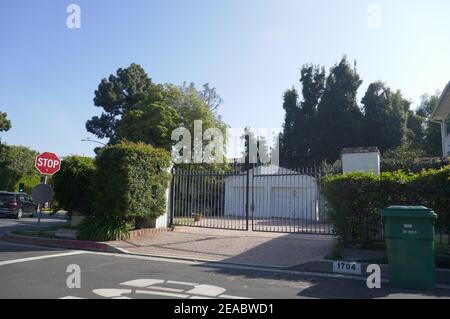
(7, 224)
(38, 272)
(33, 272)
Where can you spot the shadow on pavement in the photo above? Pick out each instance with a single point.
(356, 289)
(326, 287)
(286, 251)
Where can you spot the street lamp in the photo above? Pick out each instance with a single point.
(93, 141)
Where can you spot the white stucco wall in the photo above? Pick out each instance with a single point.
(163, 220)
(361, 162)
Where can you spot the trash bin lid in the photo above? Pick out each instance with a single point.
(408, 211)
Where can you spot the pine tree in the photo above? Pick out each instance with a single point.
(288, 148)
(313, 83)
(339, 119)
(384, 117)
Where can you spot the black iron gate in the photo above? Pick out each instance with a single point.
(265, 198)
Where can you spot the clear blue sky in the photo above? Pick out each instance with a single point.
(251, 51)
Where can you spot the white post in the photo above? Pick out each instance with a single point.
(361, 159)
(40, 205)
(163, 220)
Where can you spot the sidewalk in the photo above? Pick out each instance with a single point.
(245, 247)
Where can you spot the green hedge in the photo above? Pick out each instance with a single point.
(354, 200)
(73, 185)
(131, 181)
(16, 167)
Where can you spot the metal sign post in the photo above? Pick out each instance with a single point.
(39, 204)
(47, 164)
(41, 194)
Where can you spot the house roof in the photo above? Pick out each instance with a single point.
(271, 170)
(266, 170)
(442, 110)
(353, 150)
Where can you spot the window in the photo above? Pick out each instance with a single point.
(447, 126)
(7, 197)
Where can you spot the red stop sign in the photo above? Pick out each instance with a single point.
(47, 163)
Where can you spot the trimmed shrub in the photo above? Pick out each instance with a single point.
(431, 188)
(131, 181)
(103, 228)
(350, 204)
(354, 200)
(73, 185)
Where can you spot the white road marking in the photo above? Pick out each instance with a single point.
(182, 283)
(206, 290)
(196, 291)
(22, 260)
(161, 293)
(232, 297)
(111, 293)
(142, 283)
(166, 289)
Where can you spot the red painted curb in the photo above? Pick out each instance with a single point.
(61, 243)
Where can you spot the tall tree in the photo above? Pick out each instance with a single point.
(17, 165)
(397, 120)
(212, 99)
(138, 110)
(384, 117)
(118, 95)
(313, 84)
(339, 119)
(424, 134)
(151, 123)
(5, 124)
(288, 148)
(415, 130)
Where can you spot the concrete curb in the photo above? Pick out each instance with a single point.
(322, 266)
(326, 266)
(62, 243)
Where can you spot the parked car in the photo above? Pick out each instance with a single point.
(16, 205)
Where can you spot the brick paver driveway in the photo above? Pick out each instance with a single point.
(247, 247)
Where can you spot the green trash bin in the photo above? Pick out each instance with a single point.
(409, 234)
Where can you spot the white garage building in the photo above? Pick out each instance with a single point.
(275, 192)
(441, 115)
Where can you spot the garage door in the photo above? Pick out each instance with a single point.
(291, 202)
(236, 200)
